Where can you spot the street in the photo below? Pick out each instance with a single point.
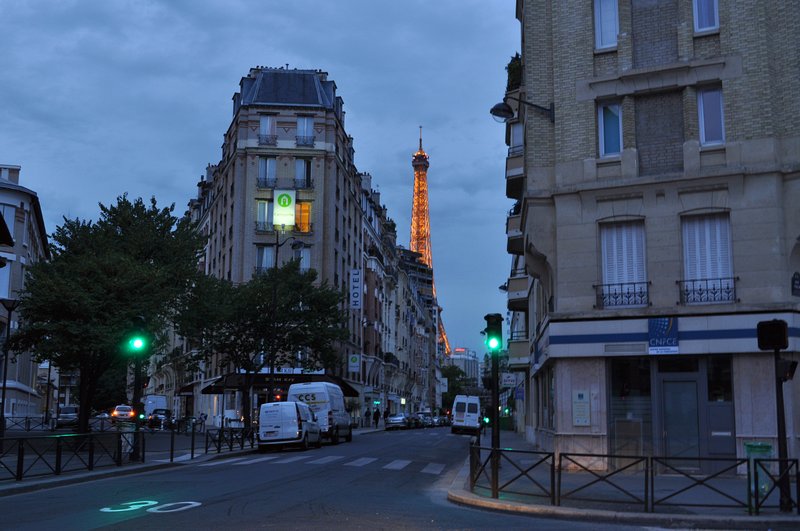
(383, 480)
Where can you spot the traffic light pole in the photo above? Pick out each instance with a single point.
(783, 474)
(137, 398)
(495, 420)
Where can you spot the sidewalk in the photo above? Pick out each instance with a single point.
(609, 511)
(155, 460)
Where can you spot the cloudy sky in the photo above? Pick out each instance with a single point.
(103, 97)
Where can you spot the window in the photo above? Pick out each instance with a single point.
(609, 125)
(624, 272)
(517, 140)
(605, 24)
(302, 173)
(264, 215)
(305, 131)
(266, 172)
(303, 255)
(265, 257)
(706, 15)
(266, 130)
(302, 216)
(709, 109)
(708, 264)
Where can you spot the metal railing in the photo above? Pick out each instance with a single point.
(264, 226)
(707, 290)
(305, 183)
(631, 482)
(219, 438)
(266, 182)
(306, 141)
(518, 335)
(515, 151)
(267, 140)
(622, 294)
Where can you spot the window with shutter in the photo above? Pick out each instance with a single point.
(707, 260)
(624, 265)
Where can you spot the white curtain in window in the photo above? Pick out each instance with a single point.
(707, 247)
(705, 15)
(267, 125)
(304, 256)
(265, 256)
(266, 168)
(305, 126)
(516, 135)
(606, 23)
(623, 252)
(709, 108)
(300, 169)
(264, 211)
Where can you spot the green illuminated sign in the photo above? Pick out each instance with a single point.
(283, 211)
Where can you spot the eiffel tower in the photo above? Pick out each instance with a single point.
(421, 226)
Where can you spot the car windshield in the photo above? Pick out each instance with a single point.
(123, 409)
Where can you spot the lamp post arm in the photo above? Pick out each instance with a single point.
(548, 111)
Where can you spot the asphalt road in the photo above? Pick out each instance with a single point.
(384, 480)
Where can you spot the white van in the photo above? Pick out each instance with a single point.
(466, 414)
(287, 423)
(326, 400)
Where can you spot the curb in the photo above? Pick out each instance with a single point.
(86, 476)
(460, 494)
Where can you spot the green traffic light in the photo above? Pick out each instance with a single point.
(137, 344)
(494, 343)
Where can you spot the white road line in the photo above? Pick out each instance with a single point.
(324, 460)
(260, 459)
(361, 461)
(433, 468)
(222, 462)
(179, 459)
(397, 464)
(293, 459)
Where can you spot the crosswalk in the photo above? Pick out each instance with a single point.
(433, 469)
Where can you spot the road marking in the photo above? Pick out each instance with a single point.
(361, 461)
(260, 459)
(324, 460)
(292, 459)
(180, 458)
(222, 462)
(398, 464)
(433, 468)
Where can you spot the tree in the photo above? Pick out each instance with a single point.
(130, 266)
(278, 318)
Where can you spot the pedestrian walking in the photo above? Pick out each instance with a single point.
(376, 417)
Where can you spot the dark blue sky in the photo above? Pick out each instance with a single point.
(103, 97)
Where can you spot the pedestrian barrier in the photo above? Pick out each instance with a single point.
(219, 438)
(633, 482)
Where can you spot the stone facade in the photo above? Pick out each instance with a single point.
(589, 332)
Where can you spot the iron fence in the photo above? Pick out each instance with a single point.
(219, 438)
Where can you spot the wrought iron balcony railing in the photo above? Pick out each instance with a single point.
(306, 183)
(263, 226)
(266, 182)
(267, 140)
(307, 141)
(708, 290)
(622, 294)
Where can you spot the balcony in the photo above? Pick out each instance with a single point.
(514, 234)
(304, 183)
(519, 350)
(518, 286)
(266, 182)
(515, 172)
(708, 291)
(304, 141)
(303, 228)
(264, 226)
(267, 140)
(621, 295)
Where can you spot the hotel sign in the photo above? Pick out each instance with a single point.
(283, 211)
(662, 335)
(356, 289)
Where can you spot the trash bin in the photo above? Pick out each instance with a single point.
(758, 450)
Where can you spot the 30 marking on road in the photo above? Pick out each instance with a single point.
(153, 506)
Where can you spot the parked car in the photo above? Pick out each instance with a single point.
(288, 424)
(160, 419)
(396, 422)
(426, 419)
(123, 413)
(414, 421)
(67, 416)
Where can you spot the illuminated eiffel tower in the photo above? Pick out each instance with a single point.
(421, 226)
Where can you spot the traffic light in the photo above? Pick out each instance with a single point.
(494, 332)
(137, 343)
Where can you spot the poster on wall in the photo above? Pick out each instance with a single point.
(581, 408)
(283, 211)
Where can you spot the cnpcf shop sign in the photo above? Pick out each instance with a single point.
(662, 335)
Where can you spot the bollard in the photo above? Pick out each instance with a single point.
(172, 445)
(90, 464)
(20, 459)
(192, 455)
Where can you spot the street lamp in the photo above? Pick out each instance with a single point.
(502, 112)
(10, 305)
